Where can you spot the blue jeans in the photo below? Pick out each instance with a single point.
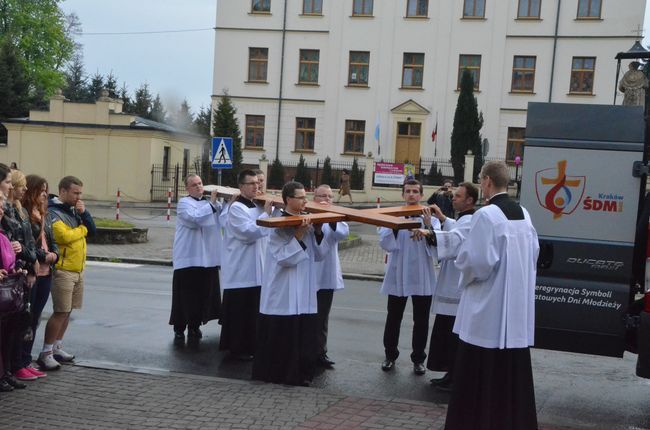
(40, 294)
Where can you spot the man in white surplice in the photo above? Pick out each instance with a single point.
(242, 268)
(196, 257)
(444, 342)
(409, 273)
(286, 343)
(328, 274)
(493, 380)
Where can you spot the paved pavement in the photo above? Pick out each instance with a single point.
(79, 397)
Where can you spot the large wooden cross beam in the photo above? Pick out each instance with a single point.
(382, 217)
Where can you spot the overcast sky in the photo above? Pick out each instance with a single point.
(177, 65)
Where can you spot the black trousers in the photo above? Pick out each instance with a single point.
(421, 308)
(324, 306)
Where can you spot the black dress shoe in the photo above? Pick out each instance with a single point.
(439, 381)
(326, 362)
(14, 382)
(194, 333)
(419, 369)
(179, 335)
(445, 387)
(387, 365)
(242, 356)
(5, 387)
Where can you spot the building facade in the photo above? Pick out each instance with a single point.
(107, 149)
(344, 78)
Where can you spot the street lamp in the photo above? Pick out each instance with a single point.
(517, 181)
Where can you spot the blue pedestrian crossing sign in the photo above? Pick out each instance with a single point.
(221, 153)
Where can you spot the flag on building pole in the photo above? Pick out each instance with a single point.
(377, 134)
(434, 137)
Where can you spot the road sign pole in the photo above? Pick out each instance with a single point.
(219, 176)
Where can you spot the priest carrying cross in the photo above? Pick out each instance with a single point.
(493, 381)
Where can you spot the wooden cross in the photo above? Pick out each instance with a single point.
(319, 214)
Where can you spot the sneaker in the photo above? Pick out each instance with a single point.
(62, 357)
(25, 375)
(36, 372)
(47, 362)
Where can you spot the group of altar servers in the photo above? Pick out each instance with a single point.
(274, 313)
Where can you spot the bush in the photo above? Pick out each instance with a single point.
(434, 177)
(302, 174)
(356, 176)
(276, 176)
(327, 178)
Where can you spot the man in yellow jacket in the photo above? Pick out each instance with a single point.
(71, 224)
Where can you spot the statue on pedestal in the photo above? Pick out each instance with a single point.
(633, 84)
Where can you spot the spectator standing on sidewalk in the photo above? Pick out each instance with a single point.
(47, 252)
(242, 268)
(409, 273)
(71, 224)
(196, 295)
(344, 188)
(328, 275)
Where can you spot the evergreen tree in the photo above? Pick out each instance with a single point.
(143, 102)
(95, 88)
(356, 176)
(183, 118)
(127, 104)
(14, 85)
(111, 85)
(302, 173)
(158, 112)
(467, 125)
(202, 121)
(224, 124)
(276, 175)
(434, 177)
(76, 82)
(327, 178)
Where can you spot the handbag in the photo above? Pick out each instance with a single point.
(12, 290)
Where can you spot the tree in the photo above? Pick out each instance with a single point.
(111, 85)
(14, 100)
(302, 173)
(43, 37)
(435, 176)
(183, 118)
(158, 112)
(224, 124)
(327, 178)
(467, 125)
(276, 175)
(76, 82)
(202, 121)
(356, 176)
(143, 102)
(127, 104)
(95, 87)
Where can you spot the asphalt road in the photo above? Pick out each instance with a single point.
(124, 324)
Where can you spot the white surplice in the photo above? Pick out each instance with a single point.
(497, 261)
(289, 283)
(447, 294)
(197, 240)
(244, 241)
(409, 271)
(328, 271)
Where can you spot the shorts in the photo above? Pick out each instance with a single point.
(67, 290)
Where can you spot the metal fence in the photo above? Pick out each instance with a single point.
(164, 178)
(442, 169)
(315, 173)
(515, 171)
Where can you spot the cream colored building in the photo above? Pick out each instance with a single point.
(106, 148)
(318, 77)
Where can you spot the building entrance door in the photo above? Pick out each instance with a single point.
(407, 146)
